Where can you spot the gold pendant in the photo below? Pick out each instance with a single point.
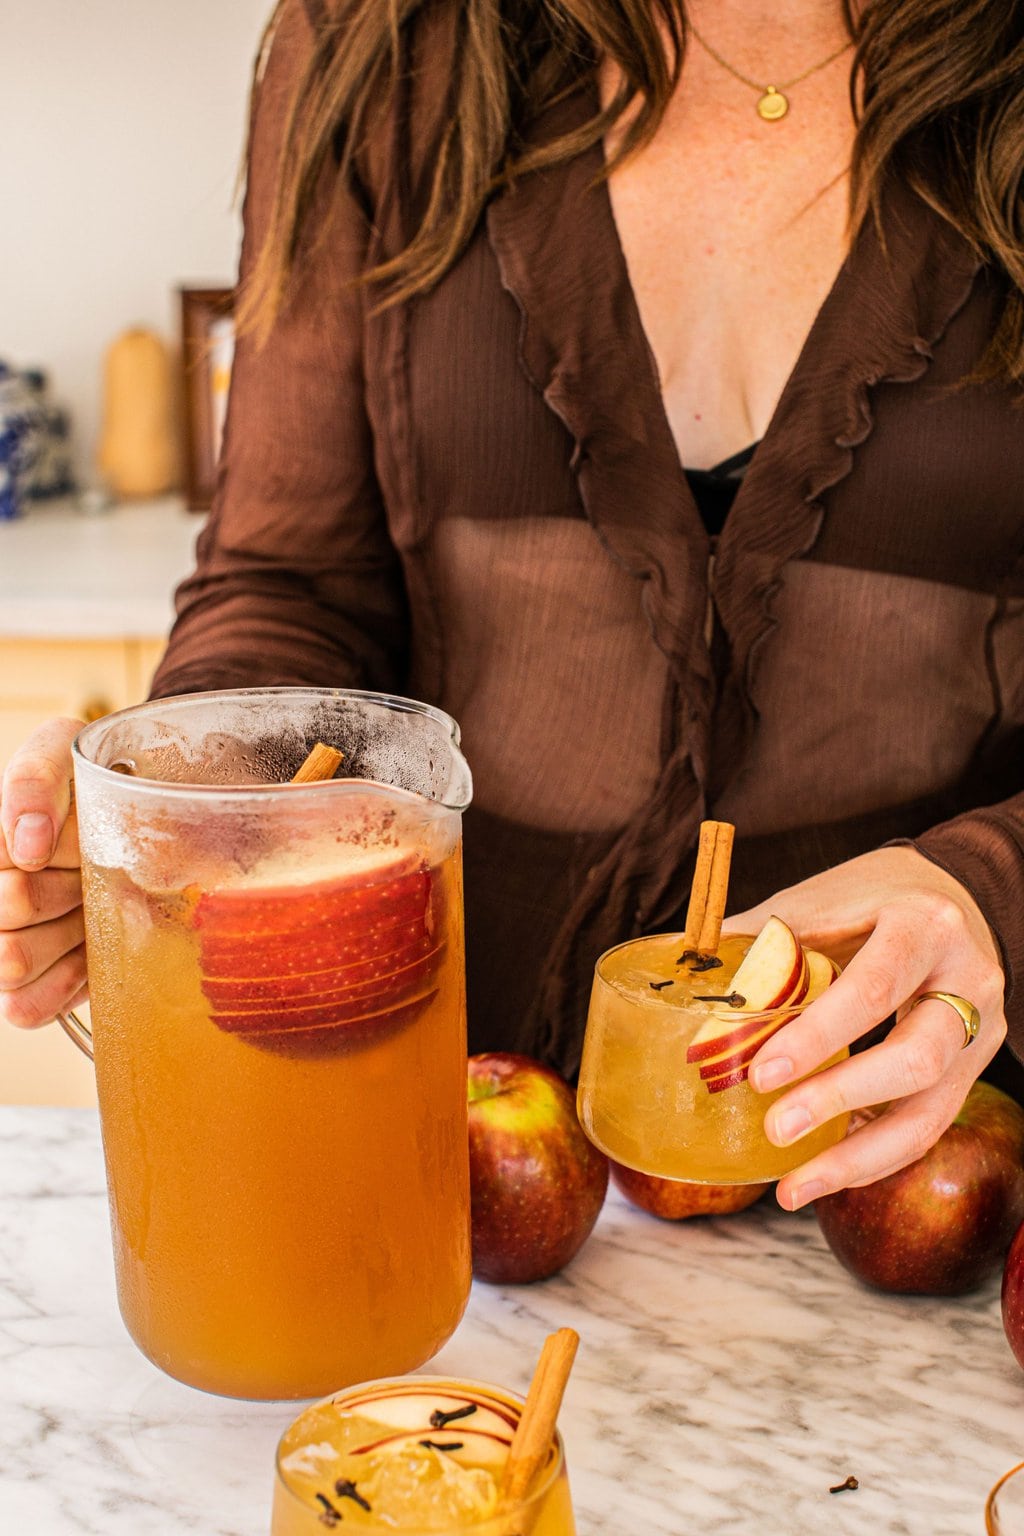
(772, 105)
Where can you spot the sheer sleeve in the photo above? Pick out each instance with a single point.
(984, 850)
(297, 581)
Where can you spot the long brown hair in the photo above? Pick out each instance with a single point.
(937, 88)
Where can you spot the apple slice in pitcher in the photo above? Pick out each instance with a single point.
(350, 952)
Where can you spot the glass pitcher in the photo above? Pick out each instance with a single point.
(277, 989)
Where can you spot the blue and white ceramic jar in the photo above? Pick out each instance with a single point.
(20, 433)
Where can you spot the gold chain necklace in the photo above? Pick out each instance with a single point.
(772, 103)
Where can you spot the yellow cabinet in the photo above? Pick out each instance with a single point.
(40, 679)
(80, 678)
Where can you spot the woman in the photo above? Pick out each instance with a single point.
(509, 269)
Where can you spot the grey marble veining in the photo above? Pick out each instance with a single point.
(729, 1372)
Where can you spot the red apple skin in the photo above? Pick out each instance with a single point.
(673, 1200)
(706, 1044)
(730, 1079)
(731, 1068)
(942, 1225)
(710, 1048)
(743, 1054)
(1013, 1296)
(352, 956)
(536, 1182)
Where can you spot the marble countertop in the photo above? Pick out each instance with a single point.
(729, 1372)
(68, 574)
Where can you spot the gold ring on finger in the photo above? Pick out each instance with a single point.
(965, 1011)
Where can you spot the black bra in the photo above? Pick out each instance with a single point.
(714, 490)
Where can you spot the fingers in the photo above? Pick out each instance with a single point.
(25, 955)
(921, 1071)
(896, 1069)
(910, 940)
(36, 796)
(918, 1054)
(37, 898)
(882, 1144)
(57, 989)
(904, 926)
(836, 910)
(42, 954)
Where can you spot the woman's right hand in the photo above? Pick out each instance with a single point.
(42, 939)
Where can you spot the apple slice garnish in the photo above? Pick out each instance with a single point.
(771, 974)
(732, 1065)
(716, 1038)
(727, 1080)
(355, 952)
(471, 1423)
(741, 1054)
(772, 969)
(822, 973)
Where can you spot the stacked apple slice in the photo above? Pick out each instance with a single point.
(775, 979)
(474, 1422)
(352, 952)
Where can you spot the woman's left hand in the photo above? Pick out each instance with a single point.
(901, 926)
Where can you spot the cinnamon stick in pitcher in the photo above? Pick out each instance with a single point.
(322, 763)
(710, 890)
(536, 1428)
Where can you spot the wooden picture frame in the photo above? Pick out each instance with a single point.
(207, 344)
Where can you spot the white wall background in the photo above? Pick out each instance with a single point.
(122, 124)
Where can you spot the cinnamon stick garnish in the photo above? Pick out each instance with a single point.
(531, 1443)
(710, 890)
(322, 763)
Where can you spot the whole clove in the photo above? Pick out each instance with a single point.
(345, 1488)
(659, 986)
(435, 1445)
(440, 1420)
(734, 999)
(851, 1482)
(329, 1515)
(698, 962)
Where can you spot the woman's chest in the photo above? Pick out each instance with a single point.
(522, 388)
(732, 230)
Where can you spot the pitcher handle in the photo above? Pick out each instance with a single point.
(75, 1030)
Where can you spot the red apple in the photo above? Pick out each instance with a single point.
(355, 953)
(536, 1182)
(674, 1200)
(942, 1225)
(1013, 1296)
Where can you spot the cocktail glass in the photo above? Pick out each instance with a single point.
(644, 1103)
(1004, 1507)
(420, 1455)
(276, 979)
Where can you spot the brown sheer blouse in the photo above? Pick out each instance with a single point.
(475, 498)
